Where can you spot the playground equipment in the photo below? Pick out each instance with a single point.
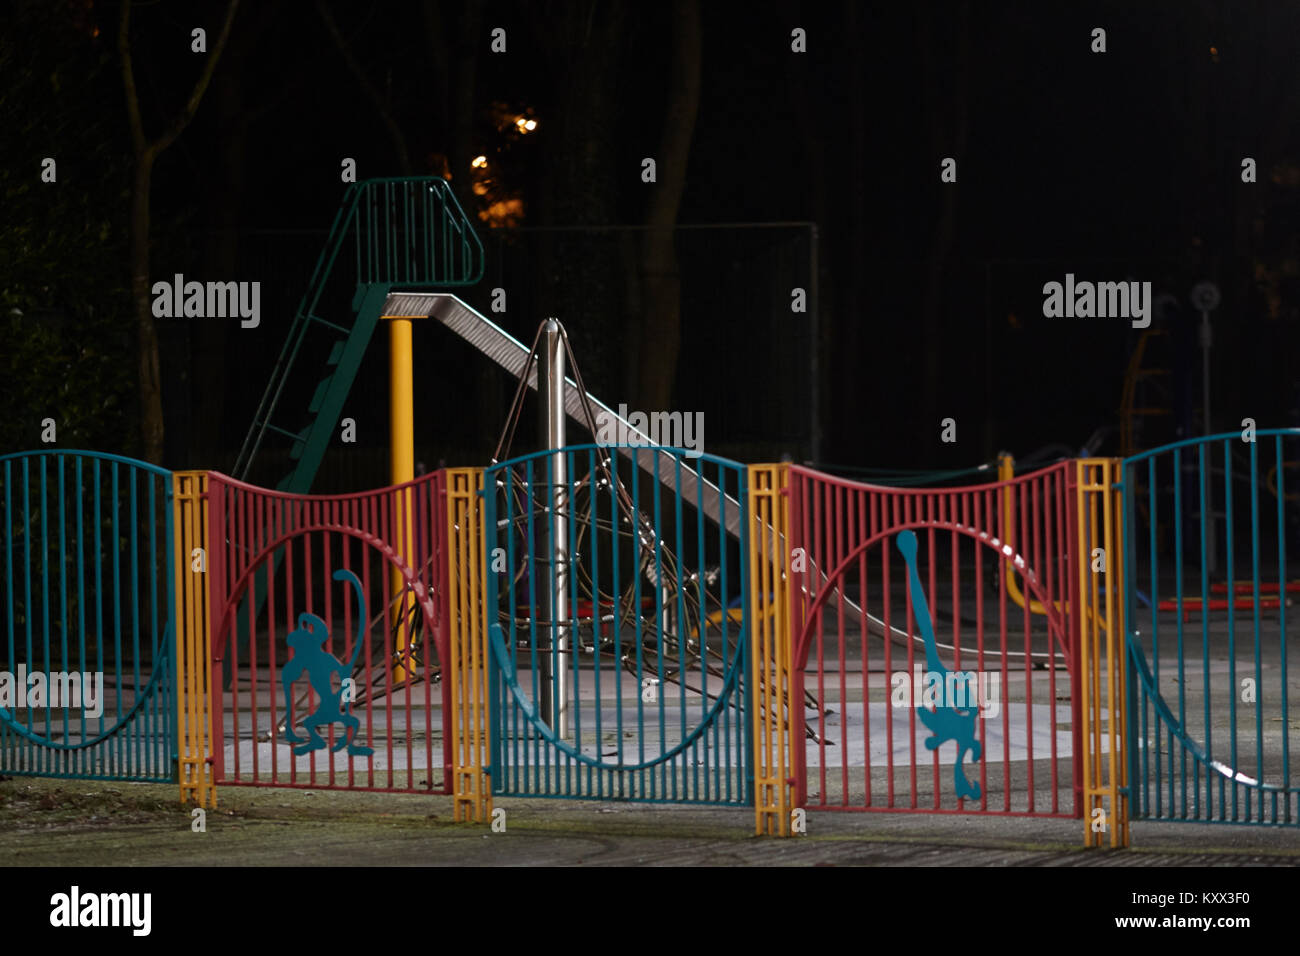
(1147, 392)
(634, 622)
(403, 231)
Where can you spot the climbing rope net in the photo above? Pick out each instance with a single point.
(630, 593)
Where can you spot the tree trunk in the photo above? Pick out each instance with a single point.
(151, 411)
(661, 281)
(146, 152)
(579, 276)
(221, 261)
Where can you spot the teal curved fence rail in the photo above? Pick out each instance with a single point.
(1210, 526)
(87, 653)
(617, 627)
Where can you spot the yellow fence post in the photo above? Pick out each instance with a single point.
(770, 651)
(1102, 650)
(466, 564)
(193, 637)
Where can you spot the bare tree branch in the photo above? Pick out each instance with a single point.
(661, 281)
(354, 67)
(182, 119)
(128, 79)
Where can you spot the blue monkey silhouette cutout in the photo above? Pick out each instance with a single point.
(945, 721)
(307, 642)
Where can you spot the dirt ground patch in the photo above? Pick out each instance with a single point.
(90, 823)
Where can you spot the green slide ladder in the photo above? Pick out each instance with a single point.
(405, 232)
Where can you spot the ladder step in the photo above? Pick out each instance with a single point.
(318, 398)
(328, 324)
(281, 431)
(300, 443)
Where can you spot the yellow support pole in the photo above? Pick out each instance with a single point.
(193, 637)
(1007, 471)
(401, 443)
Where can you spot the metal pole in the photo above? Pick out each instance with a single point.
(554, 682)
(1205, 299)
(1205, 371)
(1212, 562)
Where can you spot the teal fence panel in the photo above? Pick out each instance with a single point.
(628, 682)
(1210, 526)
(87, 651)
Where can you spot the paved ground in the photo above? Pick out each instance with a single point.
(63, 823)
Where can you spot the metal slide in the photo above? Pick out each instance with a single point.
(511, 354)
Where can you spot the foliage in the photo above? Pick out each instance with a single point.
(66, 335)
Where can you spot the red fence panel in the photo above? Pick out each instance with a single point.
(329, 632)
(996, 565)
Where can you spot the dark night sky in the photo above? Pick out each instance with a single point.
(1112, 166)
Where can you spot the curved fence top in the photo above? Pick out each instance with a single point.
(1206, 439)
(852, 485)
(227, 480)
(901, 477)
(82, 453)
(669, 450)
